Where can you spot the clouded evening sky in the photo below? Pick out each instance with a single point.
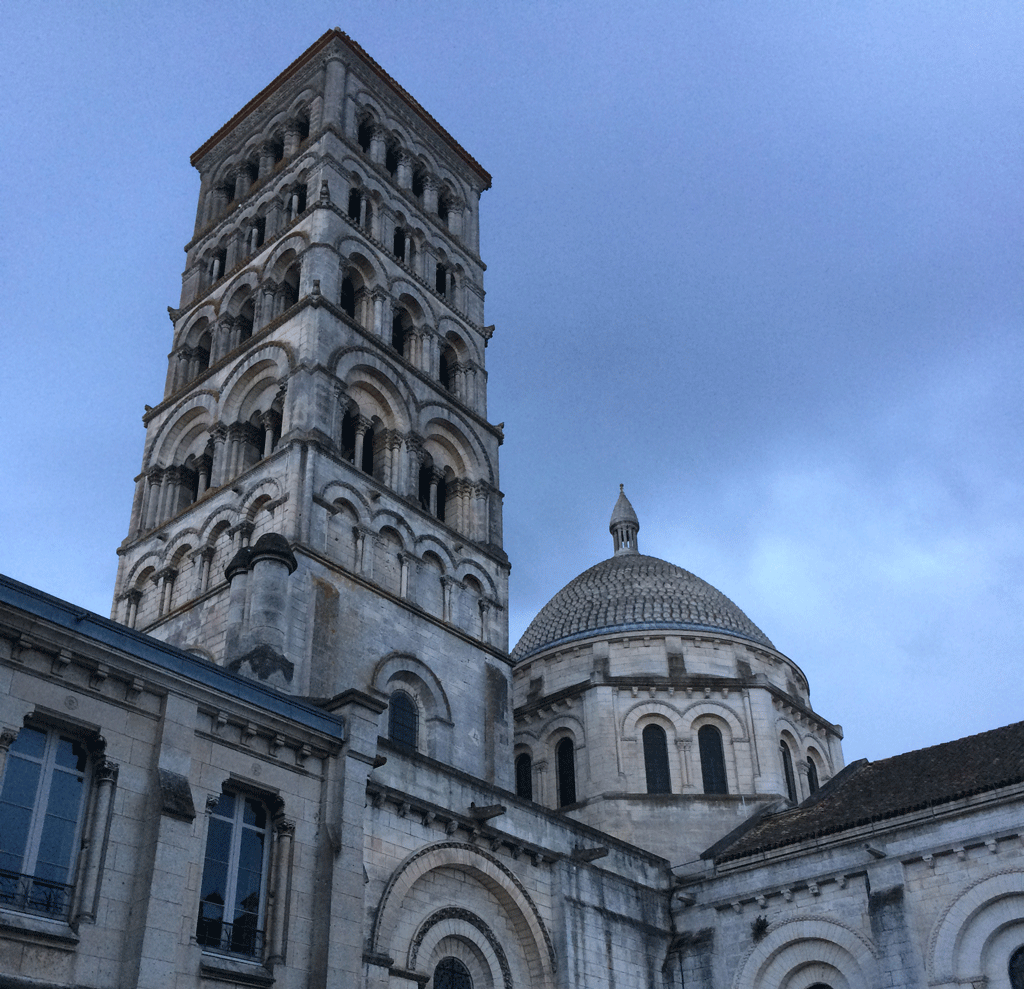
(761, 262)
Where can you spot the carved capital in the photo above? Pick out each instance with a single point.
(106, 771)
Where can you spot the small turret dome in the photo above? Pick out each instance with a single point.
(624, 525)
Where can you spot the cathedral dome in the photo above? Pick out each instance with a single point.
(633, 592)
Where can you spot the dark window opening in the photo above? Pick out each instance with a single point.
(398, 246)
(299, 192)
(524, 776)
(712, 760)
(398, 332)
(365, 135)
(217, 262)
(424, 488)
(244, 320)
(348, 438)
(565, 768)
(787, 768)
(260, 225)
(451, 974)
(348, 297)
(402, 721)
(655, 740)
(391, 160)
(303, 126)
(277, 151)
(442, 210)
(1016, 969)
(812, 776)
(355, 205)
(419, 183)
(367, 465)
(442, 496)
(445, 372)
(252, 170)
(441, 279)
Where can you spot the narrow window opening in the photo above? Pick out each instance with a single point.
(787, 769)
(348, 297)
(419, 183)
(442, 496)
(812, 776)
(424, 487)
(277, 150)
(398, 246)
(365, 135)
(355, 205)
(402, 721)
(445, 372)
(391, 159)
(565, 766)
(348, 438)
(244, 321)
(441, 279)
(712, 760)
(367, 465)
(303, 125)
(656, 759)
(398, 332)
(524, 776)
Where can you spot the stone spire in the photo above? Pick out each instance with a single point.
(624, 526)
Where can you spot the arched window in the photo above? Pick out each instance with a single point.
(656, 759)
(391, 159)
(712, 760)
(399, 328)
(787, 769)
(1016, 969)
(402, 719)
(524, 776)
(355, 205)
(451, 974)
(367, 465)
(812, 776)
(445, 370)
(565, 767)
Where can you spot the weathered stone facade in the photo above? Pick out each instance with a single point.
(300, 753)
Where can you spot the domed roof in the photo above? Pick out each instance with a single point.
(632, 592)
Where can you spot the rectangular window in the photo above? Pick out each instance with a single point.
(41, 807)
(233, 897)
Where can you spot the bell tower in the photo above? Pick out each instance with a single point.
(319, 504)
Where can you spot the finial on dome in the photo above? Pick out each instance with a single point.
(624, 525)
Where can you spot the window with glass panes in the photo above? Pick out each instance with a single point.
(233, 896)
(450, 973)
(41, 806)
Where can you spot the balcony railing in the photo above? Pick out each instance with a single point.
(238, 939)
(32, 895)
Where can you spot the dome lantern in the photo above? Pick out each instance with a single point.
(624, 526)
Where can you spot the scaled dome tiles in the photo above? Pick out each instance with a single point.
(633, 592)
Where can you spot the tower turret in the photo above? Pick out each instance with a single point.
(624, 525)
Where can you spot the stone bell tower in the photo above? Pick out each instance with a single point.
(319, 503)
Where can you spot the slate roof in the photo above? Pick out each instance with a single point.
(873, 791)
(633, 591)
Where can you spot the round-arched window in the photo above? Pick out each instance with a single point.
(451, 974)
(1017, 969)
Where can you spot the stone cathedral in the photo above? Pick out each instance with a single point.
(301, 754)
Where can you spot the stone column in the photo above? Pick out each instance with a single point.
(430, 194)
(266, 160)
(378, 147)
(167, 577)
(446, 595)
(485, 608)
(291, 139)
(280, 881)
(684, 747)
(104, 779)
(403, 560)
(334, 92)
(205, 565)
(403, 174)
(134, 597)
(362, 427)
(218, 466)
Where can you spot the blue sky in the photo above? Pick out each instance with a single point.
(761, 263)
